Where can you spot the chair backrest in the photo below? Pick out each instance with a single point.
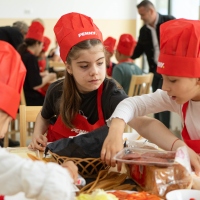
(56, 65)
(140, 84)
(26, 114)
(22, 98)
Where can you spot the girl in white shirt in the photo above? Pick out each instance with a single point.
(179, 64)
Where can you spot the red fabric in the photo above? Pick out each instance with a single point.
(126, 44)
(180, 48)
(109, 44)
(44, 89)
(35, 31)
(1, 197)
(193, 144)
(73, 28)
(109, 69)
(46, 43)
(59, 130)
(12, 77)
(42, 64)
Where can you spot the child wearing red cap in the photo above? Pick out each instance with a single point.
(36, 179)
(29, 51)
(43, 63)
(85, 98)
(125, 67)
(109, 44)
(179, 65)
(42, 58)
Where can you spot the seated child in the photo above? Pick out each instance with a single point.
(109, 44)
(125, 67)
(179, 65)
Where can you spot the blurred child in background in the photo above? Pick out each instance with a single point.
(125, 67)
(109, 44)
(29, 51)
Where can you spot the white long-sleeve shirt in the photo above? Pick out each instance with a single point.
(157, 102)
(36, 179)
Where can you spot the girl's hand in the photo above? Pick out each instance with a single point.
(113, 142)
(195, 161)
(112, 145)
(38, 142)
(72, 168)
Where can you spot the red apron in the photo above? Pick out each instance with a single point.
(193, 144)
(42, 64)
(109, 69)
(59, 130)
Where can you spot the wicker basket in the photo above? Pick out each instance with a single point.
(87, 167)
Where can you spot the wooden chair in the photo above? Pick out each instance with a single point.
(58, 68)
(27, 114)
(56, 64)
(22, 98)
(14, 124)
(140, 84)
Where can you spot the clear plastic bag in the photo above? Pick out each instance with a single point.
(158, 173)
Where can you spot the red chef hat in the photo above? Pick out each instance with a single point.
(12, 77)
(109, 44)
(46, 43)
(35, 31)
(73, 28)
(180, 48)
(126, 44)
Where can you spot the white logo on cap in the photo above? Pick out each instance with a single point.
(86, 33)
(161, 64)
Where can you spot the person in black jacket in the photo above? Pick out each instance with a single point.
(14, 34)
(148, 43)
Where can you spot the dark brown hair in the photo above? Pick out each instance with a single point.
(27, 42)
(146, 4)
(70, 100)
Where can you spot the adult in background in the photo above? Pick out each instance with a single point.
(148, 43)
(14, 34)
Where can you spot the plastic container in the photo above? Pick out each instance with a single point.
(145, 156)
(184, 194)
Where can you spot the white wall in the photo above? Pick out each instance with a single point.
(188, 9)
(102, 9)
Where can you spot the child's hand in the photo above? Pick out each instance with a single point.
(112, 145)
(113, 142)
(195, 161)
(38, 142)
(72, 168)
